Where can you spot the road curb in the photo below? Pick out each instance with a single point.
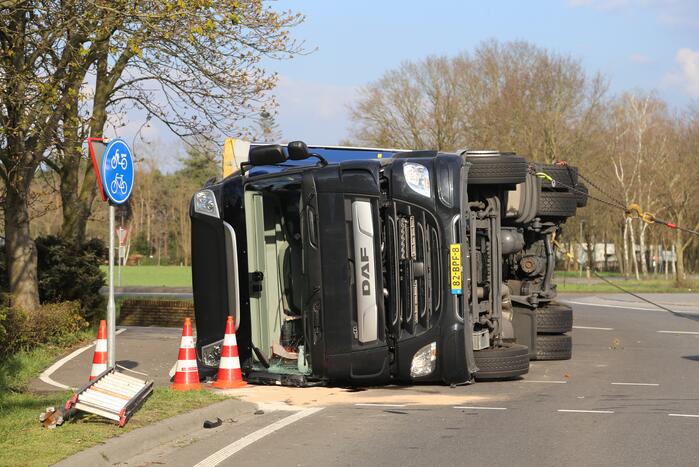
(122, 448)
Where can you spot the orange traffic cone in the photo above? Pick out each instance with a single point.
(99, 360)
(229, 375)
(187, 375)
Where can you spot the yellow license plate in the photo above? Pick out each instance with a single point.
(455, 268)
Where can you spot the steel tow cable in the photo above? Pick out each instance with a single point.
(631, 211)
(604, 279)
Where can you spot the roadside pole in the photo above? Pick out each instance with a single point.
(119, 267)
(122, 233)
(115, 177)
(111, 306)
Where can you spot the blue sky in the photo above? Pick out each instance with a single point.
(636, 44)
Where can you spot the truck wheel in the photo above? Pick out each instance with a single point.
(581, 195)
(499, 363)
(496, 168)
(554, 319)
(553, 347)
(556, 204)
(565, 174)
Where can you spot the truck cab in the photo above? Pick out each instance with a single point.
(354, 271)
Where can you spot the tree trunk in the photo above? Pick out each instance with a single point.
(20, 248)
(632, 236)
(680, 273)
(78, 196)
(642, 242)
(76, 210)
(627, 266)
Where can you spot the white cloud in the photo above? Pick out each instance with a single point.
(639, 58)
(686, 74)
(312, 111)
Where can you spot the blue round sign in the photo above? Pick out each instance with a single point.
(117, 171)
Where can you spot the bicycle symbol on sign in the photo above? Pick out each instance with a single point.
(120, 160)
(118, 184)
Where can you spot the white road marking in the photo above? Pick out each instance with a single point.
(226, 452)
(549, 382)
(593, 328)
(683, 415)
(480, 408)
(380, 405)
(585, 411)
(45, 376)
(636, 384)
(612, 306)
(679, 332)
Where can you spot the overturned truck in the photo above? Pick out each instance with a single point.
(369, 266)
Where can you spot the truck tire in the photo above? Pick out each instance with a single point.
(500, 363)
(564, 174)
(581, 195)
(496, 169)
(554, 319)
(556, 204)
(553, 347)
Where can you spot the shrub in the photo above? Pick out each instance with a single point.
(52, 324)
(70, 272)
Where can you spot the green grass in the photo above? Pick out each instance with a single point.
(18, 369)
(631, 285)
(23, 441)
(561, 274)
(153, 276)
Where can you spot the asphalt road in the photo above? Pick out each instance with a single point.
(629, 396)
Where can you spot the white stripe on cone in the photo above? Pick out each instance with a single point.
(187, 342)
(101, 345)
(98, 368)
(229, 340)
(186, 365)
(229, 363)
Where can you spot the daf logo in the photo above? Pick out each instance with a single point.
(364, 271)
(366, 276)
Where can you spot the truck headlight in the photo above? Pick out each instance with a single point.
(205, 203)
(211, 353)
(418, 178)
(424, 361)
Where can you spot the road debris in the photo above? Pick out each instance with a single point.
(213, 424)
(51, 418)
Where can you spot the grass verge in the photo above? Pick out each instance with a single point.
(23, 441)
(647, 286)
(153, 276)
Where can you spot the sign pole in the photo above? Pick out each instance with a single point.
(119, 260)
(111, 307)
(115, 176)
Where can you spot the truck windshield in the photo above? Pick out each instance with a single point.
(275, 261)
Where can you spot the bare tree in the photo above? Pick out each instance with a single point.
(512, 96)
(193, 65)
(680, 190)
(42, 62)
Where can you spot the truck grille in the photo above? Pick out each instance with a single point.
(417, 256)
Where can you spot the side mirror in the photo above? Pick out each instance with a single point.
(298, 151)
(270, 154)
